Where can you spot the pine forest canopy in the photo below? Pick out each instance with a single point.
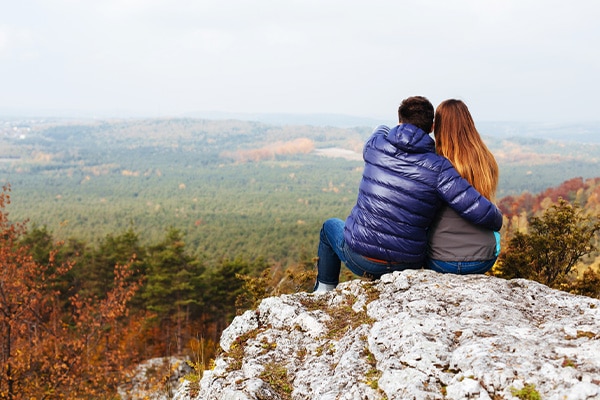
(234, 188)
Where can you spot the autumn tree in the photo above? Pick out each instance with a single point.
(587, 285)
(555, 242)
(47, 351)
(21, 299)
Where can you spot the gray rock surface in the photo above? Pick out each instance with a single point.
(412, 335)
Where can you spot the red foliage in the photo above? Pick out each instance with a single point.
(514, 205)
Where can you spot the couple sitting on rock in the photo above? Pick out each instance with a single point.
(421, 203)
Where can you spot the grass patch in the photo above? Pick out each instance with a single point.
(236, 350)
(343, 318)
(567, 362)
(527, 393)
(372, 292)
(586, 334)
(373, 374)
(582, 334)
(276, 376)
(313, 303)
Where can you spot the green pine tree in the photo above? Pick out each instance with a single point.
(174, 287)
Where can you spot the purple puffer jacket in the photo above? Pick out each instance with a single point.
(404, 184)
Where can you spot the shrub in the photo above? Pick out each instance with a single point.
(552, 247)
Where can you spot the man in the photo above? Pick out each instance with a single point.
(404, 183)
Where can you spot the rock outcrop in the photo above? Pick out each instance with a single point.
(412, 335)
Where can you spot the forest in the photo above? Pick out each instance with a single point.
(131, 239)
(232, 188)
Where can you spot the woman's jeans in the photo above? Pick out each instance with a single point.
(461, 267)
(333, 251)
(466, 267)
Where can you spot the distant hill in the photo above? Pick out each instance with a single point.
(334, 120)
(581, 132)
(585, 132)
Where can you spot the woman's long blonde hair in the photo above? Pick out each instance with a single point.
(457, 139)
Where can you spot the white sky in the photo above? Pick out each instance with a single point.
(513, 60)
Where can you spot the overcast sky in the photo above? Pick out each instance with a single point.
(509, 60)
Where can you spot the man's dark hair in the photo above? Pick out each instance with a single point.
(417, 111)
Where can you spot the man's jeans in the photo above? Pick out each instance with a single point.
(333, 251)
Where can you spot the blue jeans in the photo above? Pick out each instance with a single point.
(461, 267)
(333, 251)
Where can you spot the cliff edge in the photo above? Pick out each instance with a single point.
(411, 335)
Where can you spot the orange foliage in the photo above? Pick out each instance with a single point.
(297, 146)
(50, 350)
(593, 200)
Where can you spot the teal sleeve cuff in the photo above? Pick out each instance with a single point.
(497, 235)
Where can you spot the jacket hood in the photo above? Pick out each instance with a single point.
(411, 139)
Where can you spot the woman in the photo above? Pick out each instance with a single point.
(456, 245)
